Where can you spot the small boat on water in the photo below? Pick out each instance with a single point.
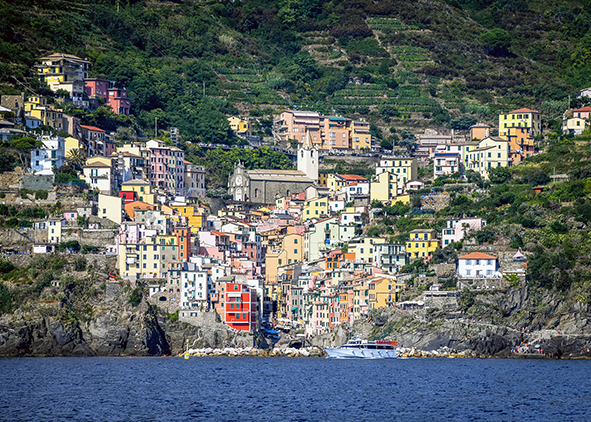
(363, 349)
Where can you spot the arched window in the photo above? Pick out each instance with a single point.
(256, 193)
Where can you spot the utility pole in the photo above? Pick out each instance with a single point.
(204, 88)
(155, 127)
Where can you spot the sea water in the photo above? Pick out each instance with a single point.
(293, 389)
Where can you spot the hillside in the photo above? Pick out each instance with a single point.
(395, 63)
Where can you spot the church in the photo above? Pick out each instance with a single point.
(265, 186)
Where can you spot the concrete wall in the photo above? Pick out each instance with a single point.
(37, 182)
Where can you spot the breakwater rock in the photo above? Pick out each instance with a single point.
(252, 351)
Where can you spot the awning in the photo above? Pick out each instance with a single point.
(294, 309)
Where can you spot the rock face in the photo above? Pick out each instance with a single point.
(116, 328)
(506, 320)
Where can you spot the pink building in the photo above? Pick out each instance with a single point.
(118, 101)
(110, 147)
(96, 87)
(71, 215)
(159, 165)
(168, 167)
(582, 113)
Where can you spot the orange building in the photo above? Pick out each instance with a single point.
(183, 235)
(521, 144)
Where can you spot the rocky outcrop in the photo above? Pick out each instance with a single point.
(517, 322)
(114, 328)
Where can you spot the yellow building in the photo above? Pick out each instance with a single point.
(37, 107)
(142, 188)
(64, 71)
(150, 259)
(195, 217)
(360, 136)
(110, 207)
(384, 187)
(383, 292)
(465, 149)
(523, 117)
(405, 168)
(336, 182)
(315, 208)
(422, 243)
(323, 179)
(290, 251)
(72, 144)
(364, 248)
(491, 152)
(240, 127)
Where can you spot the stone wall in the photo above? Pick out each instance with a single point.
(99, 238)
(101, 263)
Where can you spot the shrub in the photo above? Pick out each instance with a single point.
(6, 301)
(41, 194)
(136, 296)
(79, 263)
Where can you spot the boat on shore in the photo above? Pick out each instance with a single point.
(363, 349)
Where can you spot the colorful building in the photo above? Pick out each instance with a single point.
(64, 72)
(315, 208)
(523, 117)
(422, 243)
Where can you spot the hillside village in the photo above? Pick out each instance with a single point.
(303, 248)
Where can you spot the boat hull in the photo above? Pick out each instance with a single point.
(359, 353)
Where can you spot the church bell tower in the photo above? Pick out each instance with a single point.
(308, 158)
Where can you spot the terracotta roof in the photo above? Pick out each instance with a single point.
(217, 233)
(477, 255)
(96, 129)
(351, 177)
(523, 110)
(586, 108)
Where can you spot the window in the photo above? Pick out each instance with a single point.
(468, 272)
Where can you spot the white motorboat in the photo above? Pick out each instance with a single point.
(363, 349)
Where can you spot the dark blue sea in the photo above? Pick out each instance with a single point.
(293, 389)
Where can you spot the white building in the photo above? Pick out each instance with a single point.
(99, 174)
(456, 229)
(389, 257)
(356, 188)
(478, 265)
(195, 287)
(53, 152)
(54, 229)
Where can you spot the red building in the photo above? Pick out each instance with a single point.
(240, 307)
(127, 196)
(236, 303)
(114, 97)
(118, 101)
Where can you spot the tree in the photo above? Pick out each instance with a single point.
(496, 42)
(499, 175)
(23, 147)
(473, 177)
(463, 123)
(76, 158)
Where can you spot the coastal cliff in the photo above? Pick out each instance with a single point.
(515, 322)
(110, 326)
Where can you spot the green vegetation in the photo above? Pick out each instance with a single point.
(136, 296)
(189, 64)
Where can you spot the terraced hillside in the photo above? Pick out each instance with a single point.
(395, 63)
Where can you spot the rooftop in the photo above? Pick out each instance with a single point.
(523, 110)
(477, 255)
